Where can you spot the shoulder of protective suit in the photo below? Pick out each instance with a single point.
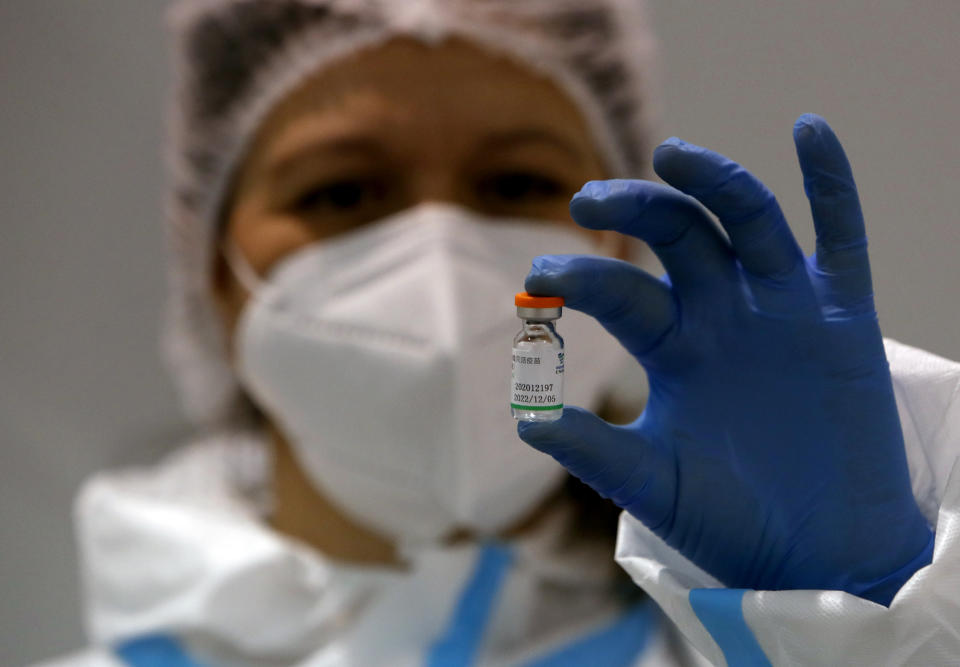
(93, 657)
(927, 390)
(731, 626)
(229, 466)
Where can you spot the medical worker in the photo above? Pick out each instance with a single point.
(358, 189)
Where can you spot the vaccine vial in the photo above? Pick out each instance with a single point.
(536, 391)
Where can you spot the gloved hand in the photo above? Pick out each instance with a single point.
(770, 451)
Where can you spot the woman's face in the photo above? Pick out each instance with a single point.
(397, 126)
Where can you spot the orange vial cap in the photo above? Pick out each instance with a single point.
(524, 300)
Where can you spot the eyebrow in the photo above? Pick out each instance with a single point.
(366, 146)
(361, 146)
(510, 138)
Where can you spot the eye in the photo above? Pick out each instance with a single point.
(342, 196)
(516, 187)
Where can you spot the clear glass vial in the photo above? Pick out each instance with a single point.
(536, 388)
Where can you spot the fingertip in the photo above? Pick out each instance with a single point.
(570, 418)
(612, 188)
(805, 128)
(603, 204)
(546, 264)
(588, 211)
(653, 212)
(812, 130)
(691, 168)
(530, 432)
(593, 190)
(670, 144)
(668, 161)
(667, 158)
(819, 149)
(543, 275)
(809, 122)
(540, 435)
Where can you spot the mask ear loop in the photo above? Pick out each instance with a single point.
(240, 267)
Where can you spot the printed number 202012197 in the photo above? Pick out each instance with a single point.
(539, 388)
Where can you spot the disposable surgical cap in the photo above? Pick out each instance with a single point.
(236, 59)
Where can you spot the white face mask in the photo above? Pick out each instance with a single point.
(384, 355)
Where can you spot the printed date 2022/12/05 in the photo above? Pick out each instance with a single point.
(534, 399)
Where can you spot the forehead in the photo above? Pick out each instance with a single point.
(419, 96)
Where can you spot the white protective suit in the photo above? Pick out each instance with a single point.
(181, 552)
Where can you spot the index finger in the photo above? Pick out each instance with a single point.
(677, 229)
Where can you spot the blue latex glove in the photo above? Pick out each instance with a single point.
(770, 451)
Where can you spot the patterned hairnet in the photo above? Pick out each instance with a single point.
(236, 59)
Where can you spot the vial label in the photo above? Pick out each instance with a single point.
(537, 379)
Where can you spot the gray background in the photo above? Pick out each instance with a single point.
(81, 261)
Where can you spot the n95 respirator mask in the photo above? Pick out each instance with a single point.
(384, 357)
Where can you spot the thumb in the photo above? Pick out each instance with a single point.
(615, 461)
